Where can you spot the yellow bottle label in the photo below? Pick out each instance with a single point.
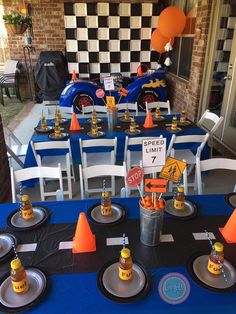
(178, 204)
(106, 210)
(20, 286)
(214, 268)
(182, 120)
(125, 274)
(27, 214)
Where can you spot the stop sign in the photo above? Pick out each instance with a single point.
(134, 176)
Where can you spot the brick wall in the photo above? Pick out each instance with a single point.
(48, 27)
(186, 94)
(5, 186)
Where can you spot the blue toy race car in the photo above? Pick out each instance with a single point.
(147, 88)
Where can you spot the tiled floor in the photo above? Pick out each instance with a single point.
(218, 181)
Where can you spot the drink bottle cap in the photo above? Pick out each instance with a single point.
(219, 247)
(105, 194)
(25, 198)
(180, 189)
(125, 252)
(16, 263)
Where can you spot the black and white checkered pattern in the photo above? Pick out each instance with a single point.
(104, 38)
(225, 36)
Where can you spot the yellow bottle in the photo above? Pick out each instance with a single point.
(26, 208)
(213, 262)
(179, 199)
(94, 129)
(125, 265)
(132, 127)
(58, 116)
(18, 277)
(126, 115)
(57, 130)
(158, 113)
(183, 117)
(43, 123)
(106, 204)
(174, 124)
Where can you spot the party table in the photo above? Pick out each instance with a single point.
(73, 277)
(74, 136)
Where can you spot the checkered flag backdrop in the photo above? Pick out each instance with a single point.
(104, 38)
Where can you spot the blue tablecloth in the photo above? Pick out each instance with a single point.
(72, 293)
(74, 138)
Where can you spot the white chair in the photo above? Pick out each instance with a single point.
(161, 104)
(133, 107)
(187, 154)
(33, 173)
(100, 171)
(133, 157)
(89, 109)
(15, 148)
(211, 164)
(50, 111)
(65, 159)
(99, 158)
(10, 78)
(210, 122)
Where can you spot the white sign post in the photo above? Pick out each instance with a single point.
(154, 152)
(109, 83)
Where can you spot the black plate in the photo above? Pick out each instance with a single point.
(198, 281)
(194, 214)
(6, 309)
(114, 298)
(49, 129)
(122, 218)
(227, 199)
(63, 136)
(46, 216)
(63, 120)
(11, 252)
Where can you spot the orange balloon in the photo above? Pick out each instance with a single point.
(158, 41)
(171, 21)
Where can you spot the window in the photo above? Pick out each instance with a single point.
(181, 55)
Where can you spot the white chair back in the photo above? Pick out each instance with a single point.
(10, 66)
(160, 104)
(211, 164)
(99, 171)
(97, 143)
(33, 173)
(188, 139)
(65, 159)
(50, 111)
(129, 106)
(216, 121)
(89, 109)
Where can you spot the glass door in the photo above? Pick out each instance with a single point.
(220, 97)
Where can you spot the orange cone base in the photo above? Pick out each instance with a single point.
(83, 249)
(227, 239)
(229, 230)
(74, 126)
(148, 121)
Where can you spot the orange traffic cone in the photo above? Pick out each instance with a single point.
(148, 121)
(229, 230)
(74, 77)
(84, 240)
(74, 125)
(139, 70)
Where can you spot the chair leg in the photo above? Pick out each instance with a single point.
(1, 96)
(7, 92)
(18, 93)
(113, 187)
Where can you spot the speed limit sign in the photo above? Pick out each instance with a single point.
(154, 152)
